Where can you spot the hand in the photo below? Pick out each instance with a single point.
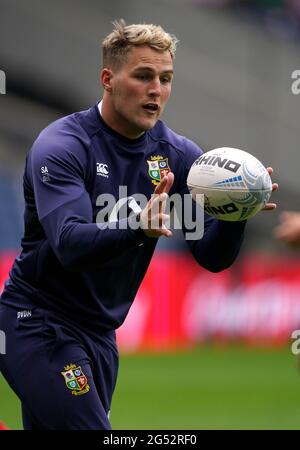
(153, 219)
(271, 206)
(288, 230)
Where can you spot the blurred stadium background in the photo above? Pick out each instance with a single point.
(198, 350)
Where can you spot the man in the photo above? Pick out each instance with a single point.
(75, 279)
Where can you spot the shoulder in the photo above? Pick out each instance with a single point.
(65, 139)
(186, 149)
(63, 132)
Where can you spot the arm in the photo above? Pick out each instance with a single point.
(80, 244)
(64, 207)
(221, 241)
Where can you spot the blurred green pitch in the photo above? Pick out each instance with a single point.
(207, 388)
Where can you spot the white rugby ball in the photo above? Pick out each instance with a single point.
(234, 184)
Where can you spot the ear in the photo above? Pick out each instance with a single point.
(106, 76)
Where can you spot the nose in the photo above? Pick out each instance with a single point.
(155, 88)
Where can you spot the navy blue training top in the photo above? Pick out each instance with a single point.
(69, 265)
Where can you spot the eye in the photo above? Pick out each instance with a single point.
(165, 80)
(143, 77)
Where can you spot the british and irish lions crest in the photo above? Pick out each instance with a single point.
(75, 380)
(158, 167)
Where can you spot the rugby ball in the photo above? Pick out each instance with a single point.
(230, 184)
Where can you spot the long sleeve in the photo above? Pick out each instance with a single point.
(65, 211)
(219, 242)
(73, 262)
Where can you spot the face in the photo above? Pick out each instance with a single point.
(136, 94)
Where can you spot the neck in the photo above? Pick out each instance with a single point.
(113, 121)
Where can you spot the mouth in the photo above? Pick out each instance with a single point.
(151, 107)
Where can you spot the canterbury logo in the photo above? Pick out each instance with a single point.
(102, 170)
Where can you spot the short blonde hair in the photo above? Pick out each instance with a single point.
(119, 42)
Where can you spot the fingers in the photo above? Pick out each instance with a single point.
(165, 184)
(275, 186)
(158, 218)
(157, 209)
(154, 221)
(161, 186)
(164, 231)
(269, 207)
(158, 203)
(270, 170)
(170, 182)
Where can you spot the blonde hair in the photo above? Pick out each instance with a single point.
(120, 41)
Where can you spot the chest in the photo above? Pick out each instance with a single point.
(121, 174)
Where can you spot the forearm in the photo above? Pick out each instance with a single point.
(80, 244)
(219, 246)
